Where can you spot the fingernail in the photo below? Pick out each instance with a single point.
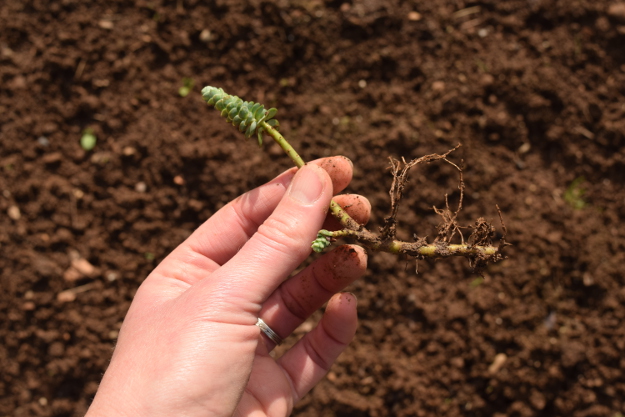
(307, 185)
(353, 295)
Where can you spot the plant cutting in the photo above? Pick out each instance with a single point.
(253, 119)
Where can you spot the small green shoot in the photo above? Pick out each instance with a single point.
(477, 282)
(149, 256)
(481, 65)
(187, 86)
(574, 194)
(322, 241)
(88, 140)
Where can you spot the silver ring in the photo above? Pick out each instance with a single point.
(268, 332)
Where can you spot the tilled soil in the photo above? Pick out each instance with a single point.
(534, 91)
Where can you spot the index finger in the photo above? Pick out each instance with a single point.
(224, 233)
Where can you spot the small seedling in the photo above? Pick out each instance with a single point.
(88, 140)
(187, 86)
(253, 119)
(574, 194)
(477, 282)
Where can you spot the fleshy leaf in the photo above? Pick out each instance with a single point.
(271, 113)
(273, 123)
(260, 137)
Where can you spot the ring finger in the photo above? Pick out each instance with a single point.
(300, 296)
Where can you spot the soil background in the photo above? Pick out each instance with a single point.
(534, 90)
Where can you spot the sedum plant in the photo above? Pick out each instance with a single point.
(253, 119)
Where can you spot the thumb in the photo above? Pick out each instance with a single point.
(283, 241)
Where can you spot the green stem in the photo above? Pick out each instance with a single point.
(345, 219)
(284, 144)
(336, 210)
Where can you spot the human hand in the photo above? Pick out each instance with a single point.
(189, 345)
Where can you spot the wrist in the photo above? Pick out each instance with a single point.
(104, 405)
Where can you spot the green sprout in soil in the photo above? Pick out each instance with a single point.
(187, 86)
(88, 140)
(477, 282)
(253, 119)
(574, 194)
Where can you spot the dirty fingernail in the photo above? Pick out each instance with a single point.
(352, 294)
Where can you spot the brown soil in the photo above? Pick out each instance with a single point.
(534, 90)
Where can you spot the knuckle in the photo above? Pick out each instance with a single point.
(317, 356)
(280, 235)
(294, 304)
